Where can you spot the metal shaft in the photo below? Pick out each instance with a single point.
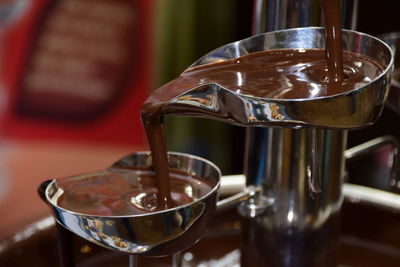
(300, 170)
(300, 227)
(133, 261)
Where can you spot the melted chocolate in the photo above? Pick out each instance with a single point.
(334, 51)
(125, 192)
(278, 74)
(372, 244)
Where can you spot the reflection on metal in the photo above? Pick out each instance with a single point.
(299, 160)
(271, 15)
(373, 145)
(368, 195)
(287, 188)
(393, 40)
(146, 234)
(232, 201)
(353, 109)
(314, 162)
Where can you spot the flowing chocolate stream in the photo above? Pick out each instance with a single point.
(333, 33)
(154, 126)
(279, 74)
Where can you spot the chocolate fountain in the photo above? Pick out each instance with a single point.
(301, 170)
(295, 154)
(300, 157)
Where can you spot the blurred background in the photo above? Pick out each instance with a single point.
(73, 76)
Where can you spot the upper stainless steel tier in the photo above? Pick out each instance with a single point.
(353, 109)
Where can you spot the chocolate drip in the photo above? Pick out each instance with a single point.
(278, 74)
(334, 51)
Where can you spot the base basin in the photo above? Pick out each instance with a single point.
(370, 238)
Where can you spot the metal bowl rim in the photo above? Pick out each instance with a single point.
(319, 29)
(214, 190)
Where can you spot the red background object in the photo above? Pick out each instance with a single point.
(117, 121)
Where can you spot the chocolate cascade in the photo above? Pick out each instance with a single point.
(301, 169)
(226, 99)
(275, 74)
(274, 80)
(115, 208)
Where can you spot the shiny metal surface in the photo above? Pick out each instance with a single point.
(303, 188)
(151, 234)
(393, 40)
(368, 195)
(299, 161)
(265, 158)
(373, 145)
(271, 15)
(232, 201)
(284, 174)
(36, 242)
(353, 109)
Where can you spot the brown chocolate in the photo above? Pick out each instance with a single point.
(125, 192)
(334, 51)
(279, 74)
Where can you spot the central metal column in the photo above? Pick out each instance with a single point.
(295, 220)
(299, 222)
